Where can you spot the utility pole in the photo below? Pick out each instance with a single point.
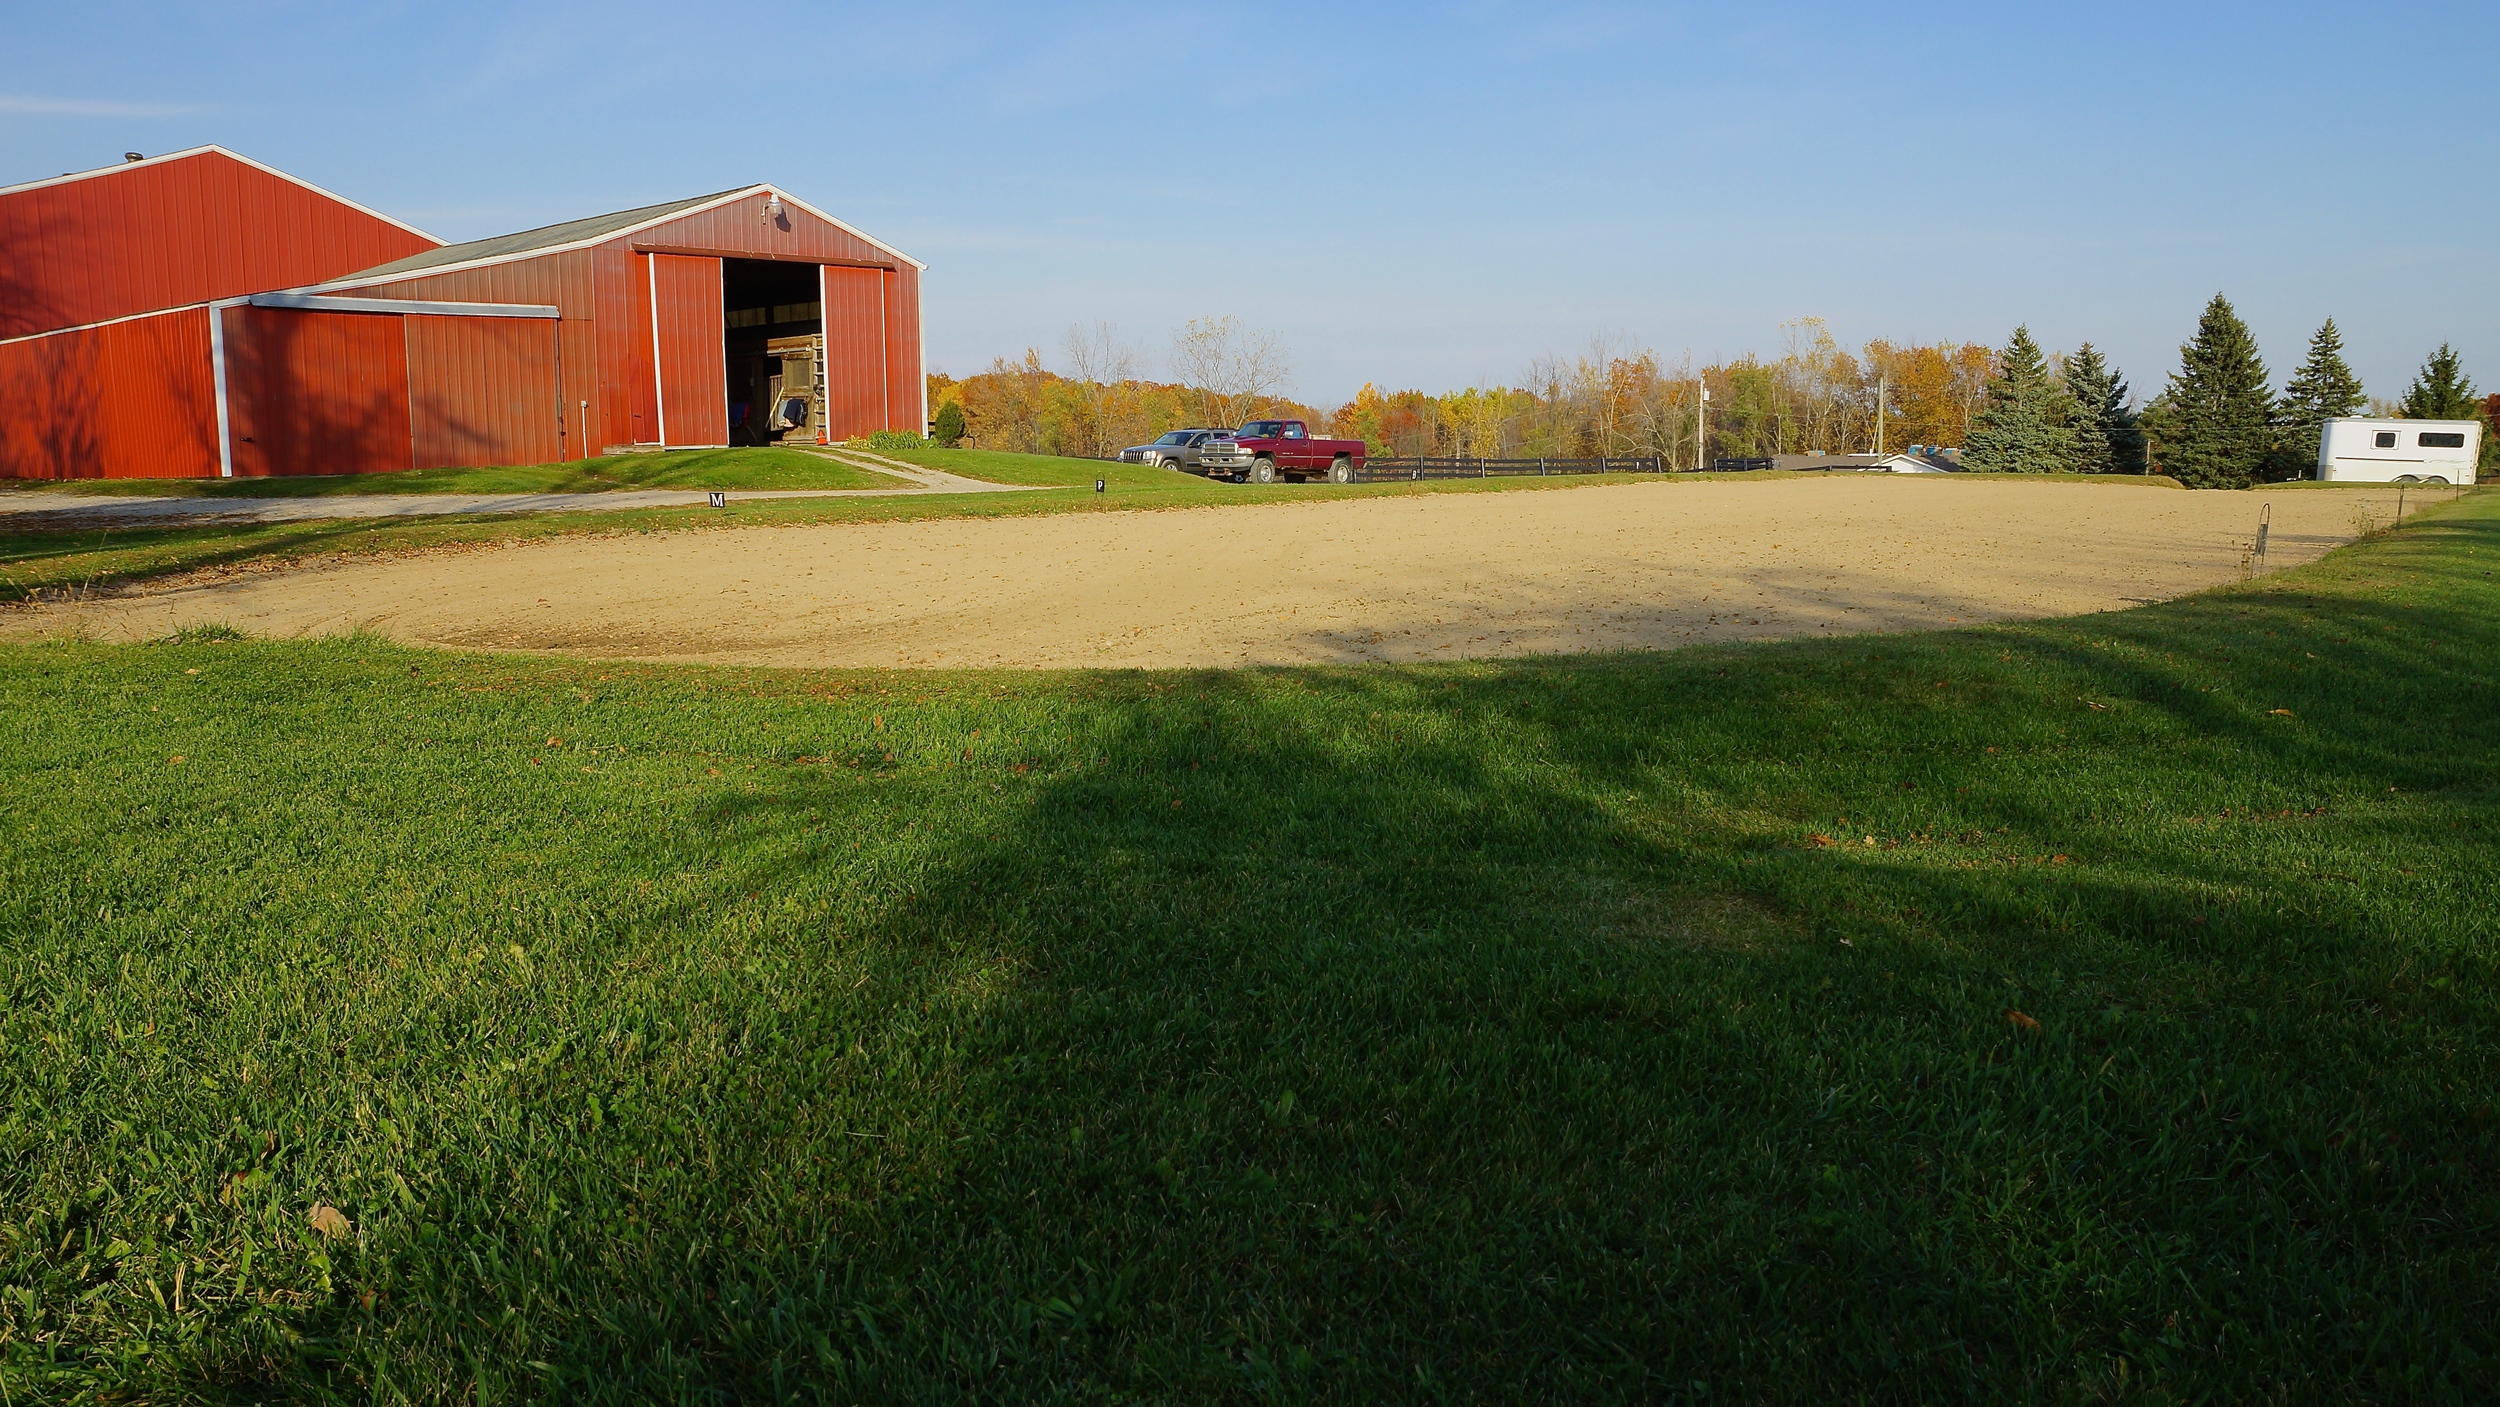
(1882, 387)
(1701, 431)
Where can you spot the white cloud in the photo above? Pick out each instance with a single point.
(33, 106)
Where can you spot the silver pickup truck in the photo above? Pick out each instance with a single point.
(1179, 449)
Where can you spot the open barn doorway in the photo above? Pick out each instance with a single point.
(775, 350)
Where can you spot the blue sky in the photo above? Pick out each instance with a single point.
(1417, 195)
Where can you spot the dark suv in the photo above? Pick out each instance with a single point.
(1176, 450)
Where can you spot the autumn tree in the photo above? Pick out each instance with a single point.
(2213, 425)
(2108, 439)
(1821, 390)
(1968, 370)
(2323, 389)
(2028, 424)
(1931, 391)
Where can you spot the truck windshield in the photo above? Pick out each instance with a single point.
(1177, 437)
(1261, 429)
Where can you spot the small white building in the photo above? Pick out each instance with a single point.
(2363, 451)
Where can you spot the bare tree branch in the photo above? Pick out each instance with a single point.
(1098, 362)
(1235, 369)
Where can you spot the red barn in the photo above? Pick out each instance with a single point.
(201, 314)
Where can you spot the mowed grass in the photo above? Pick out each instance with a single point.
(2090, 1009)
(759, 467)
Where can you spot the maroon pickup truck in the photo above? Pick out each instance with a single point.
(1264, 451)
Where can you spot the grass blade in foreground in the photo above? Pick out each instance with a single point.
(2099, 1008)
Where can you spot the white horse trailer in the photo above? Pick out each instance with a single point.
(2399, 451)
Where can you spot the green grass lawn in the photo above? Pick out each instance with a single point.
(2081, 1010)
(766, 467)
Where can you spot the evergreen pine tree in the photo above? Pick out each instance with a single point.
(2214, 426)
(949, 430)
(2489, 465)
(2323, 389)
(2107, 438)
(2442, 391)
(2028, 424)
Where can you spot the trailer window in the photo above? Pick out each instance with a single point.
(2384, 439)
(2440, 439)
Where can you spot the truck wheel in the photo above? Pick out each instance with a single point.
(1341, 472)
(1263, 470)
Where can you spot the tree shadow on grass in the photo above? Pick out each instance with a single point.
(1481, 1032)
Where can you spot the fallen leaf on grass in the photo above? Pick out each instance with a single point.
(176, 760)
(1819, 838)
(2021, 1022)
(328, 1220)
(2095, 707)
(2281, 713)
(555, 742)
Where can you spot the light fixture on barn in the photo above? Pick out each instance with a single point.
(772, 208)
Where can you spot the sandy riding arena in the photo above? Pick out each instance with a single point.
(1435, 576)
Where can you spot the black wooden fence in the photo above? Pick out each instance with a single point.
(1381, 470)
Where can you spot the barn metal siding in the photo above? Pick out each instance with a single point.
(132, 400)
(482, 391)
(856, 383)
(740, 228)
(332, 392)
(316, 393)
(453, 410)
(629, 414)
(905, 389)
(872, 313)
(693, 361)
(166, 234)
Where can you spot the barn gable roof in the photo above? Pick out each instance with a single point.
(580, 234)
(588, 230)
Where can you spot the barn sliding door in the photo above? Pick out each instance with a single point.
(688, 336)
(855, 379)
(482, 391)
(316, 393)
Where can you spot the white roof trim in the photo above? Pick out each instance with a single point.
(2394, 420)
(312, 303)
(126, 317)
(846, 227)
(231, 155)
(729, 198)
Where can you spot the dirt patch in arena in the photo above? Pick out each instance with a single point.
(1424, 577)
